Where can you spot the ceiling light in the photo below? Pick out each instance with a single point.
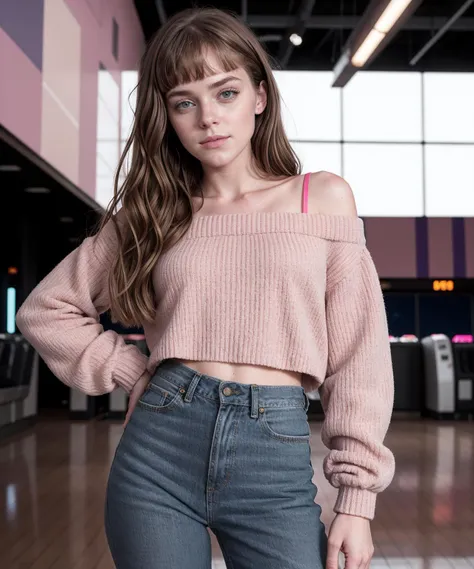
(391, 14)
(9, 168)
(367, 48)
(296, 39)
(37, 190)
(384, 24)
(381, 21)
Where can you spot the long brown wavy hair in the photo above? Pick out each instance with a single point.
(156, 194)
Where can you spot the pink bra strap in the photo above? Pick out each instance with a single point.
(305, 191)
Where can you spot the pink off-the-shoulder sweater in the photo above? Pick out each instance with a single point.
(293, 291)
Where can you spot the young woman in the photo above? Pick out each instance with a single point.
(253, 285)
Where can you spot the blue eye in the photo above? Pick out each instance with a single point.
(179, 105)
(227, 95)
(232, 93)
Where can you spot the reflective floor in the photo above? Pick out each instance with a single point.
(52, 482)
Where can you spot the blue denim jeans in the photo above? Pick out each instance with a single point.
(202, 453)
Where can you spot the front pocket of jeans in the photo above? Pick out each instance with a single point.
(285, 424)
(159, 397)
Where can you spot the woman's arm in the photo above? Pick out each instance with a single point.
(60, 318)
(357, 394)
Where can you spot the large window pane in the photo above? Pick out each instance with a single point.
(104, 190)
(386, 179)
(449, 180)
(448, 107)
(108, 141)
(383, 106)
(317, 156)
(311, 108)
(109, 94)
(129, 98)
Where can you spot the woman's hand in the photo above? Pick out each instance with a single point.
(135, 395)
(352, 536)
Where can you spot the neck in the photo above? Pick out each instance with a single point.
(231, 182)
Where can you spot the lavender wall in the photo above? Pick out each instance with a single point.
(50, 52)
(422, 247)
(22, 20)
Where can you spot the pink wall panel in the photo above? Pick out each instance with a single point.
(71, 89)
(132, 40)
(95, 19)
(62, 56)
(469, 232)
(392, 244)
(88, 132)
(440, 247)
(59, 138)
(20, 93)
(61, 89)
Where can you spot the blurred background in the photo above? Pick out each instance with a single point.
(380, 92)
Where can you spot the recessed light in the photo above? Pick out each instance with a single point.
(37, 190)
(9, 168)
(296, 39)
(66, 219)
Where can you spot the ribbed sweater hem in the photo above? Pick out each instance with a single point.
(356, 502)
(129, 369)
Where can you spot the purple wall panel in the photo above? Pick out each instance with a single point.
(391, 242)
(22, 20)
(469, 236)
(459, 247)
(421, 246)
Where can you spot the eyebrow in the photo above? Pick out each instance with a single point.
(219, 83)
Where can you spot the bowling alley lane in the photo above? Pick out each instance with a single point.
(53, 477)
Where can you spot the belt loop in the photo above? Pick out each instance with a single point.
(254, 401)
(192, 386)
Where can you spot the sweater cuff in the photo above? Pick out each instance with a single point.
(356, 502)
(129, 368)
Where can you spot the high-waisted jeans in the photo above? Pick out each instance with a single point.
(202, 453)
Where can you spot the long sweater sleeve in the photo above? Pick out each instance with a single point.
(357, 394)
(60, 318)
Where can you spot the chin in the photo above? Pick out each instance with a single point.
(216, 161)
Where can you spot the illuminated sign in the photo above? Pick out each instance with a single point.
(443, 285)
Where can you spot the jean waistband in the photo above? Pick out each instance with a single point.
(230, 392)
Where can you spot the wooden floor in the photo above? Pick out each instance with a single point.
(52, 481)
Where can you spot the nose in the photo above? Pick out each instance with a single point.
(208, 116)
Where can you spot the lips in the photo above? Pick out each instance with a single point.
(213, 139)
(214, 142)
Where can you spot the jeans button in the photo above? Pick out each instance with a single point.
(227, 391)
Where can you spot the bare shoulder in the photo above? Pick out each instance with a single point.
(330, 194)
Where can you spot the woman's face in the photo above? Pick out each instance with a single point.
(221, 105)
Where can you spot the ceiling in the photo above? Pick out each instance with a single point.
(330, 24)
(64, 209)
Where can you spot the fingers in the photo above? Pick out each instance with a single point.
(358, 560)
(135, 395)
(127, 419)
(333, 555)
(131, 407)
